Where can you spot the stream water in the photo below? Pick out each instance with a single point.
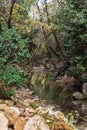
(62, 100)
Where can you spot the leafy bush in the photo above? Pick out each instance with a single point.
(13, 48)
(73, 35)
(13, 53)
(12, 75)
(6, 92)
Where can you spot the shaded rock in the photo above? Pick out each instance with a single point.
(78, 95)
(36, 123)
(9, 102)
(84, 76)
(82, 127)
(19, 124)
(78, 103)
(1, 101)
(84, 89)
(84, 107)
(3, 122)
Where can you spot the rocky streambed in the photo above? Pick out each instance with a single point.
(27, 112)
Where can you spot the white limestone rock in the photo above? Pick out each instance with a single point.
(3, 122)
(36, 123)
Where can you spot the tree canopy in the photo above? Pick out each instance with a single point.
(54, 31)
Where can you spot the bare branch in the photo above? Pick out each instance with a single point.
(59, 3)
(10, 13)
(54, 35)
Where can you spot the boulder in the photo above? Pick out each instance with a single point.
(83, 126)
(19, 124)
(12, 113)
(9, 102)
(12, 116)
(84, 89)
(3, 122)
(78, 95)
(36, 123)
(4, 107)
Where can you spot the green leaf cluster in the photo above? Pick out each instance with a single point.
(13, 53)
(73, 35)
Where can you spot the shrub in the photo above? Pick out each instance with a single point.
(13, 53)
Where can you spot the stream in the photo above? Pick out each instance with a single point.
(51, 91)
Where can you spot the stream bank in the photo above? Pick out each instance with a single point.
(27, 107)
(61, 97)
(27, 112)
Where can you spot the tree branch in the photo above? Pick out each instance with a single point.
(10, 13)
(54, 35)
(59, 3)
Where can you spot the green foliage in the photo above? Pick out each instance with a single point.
(13, 53)
(12, 47)
(10, 92)
(62, 28)
(67, 34)
(70, 118)
(6, 92)
(33, 105)
(12, 75)
(73, 35)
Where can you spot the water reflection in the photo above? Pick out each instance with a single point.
(62, 99)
